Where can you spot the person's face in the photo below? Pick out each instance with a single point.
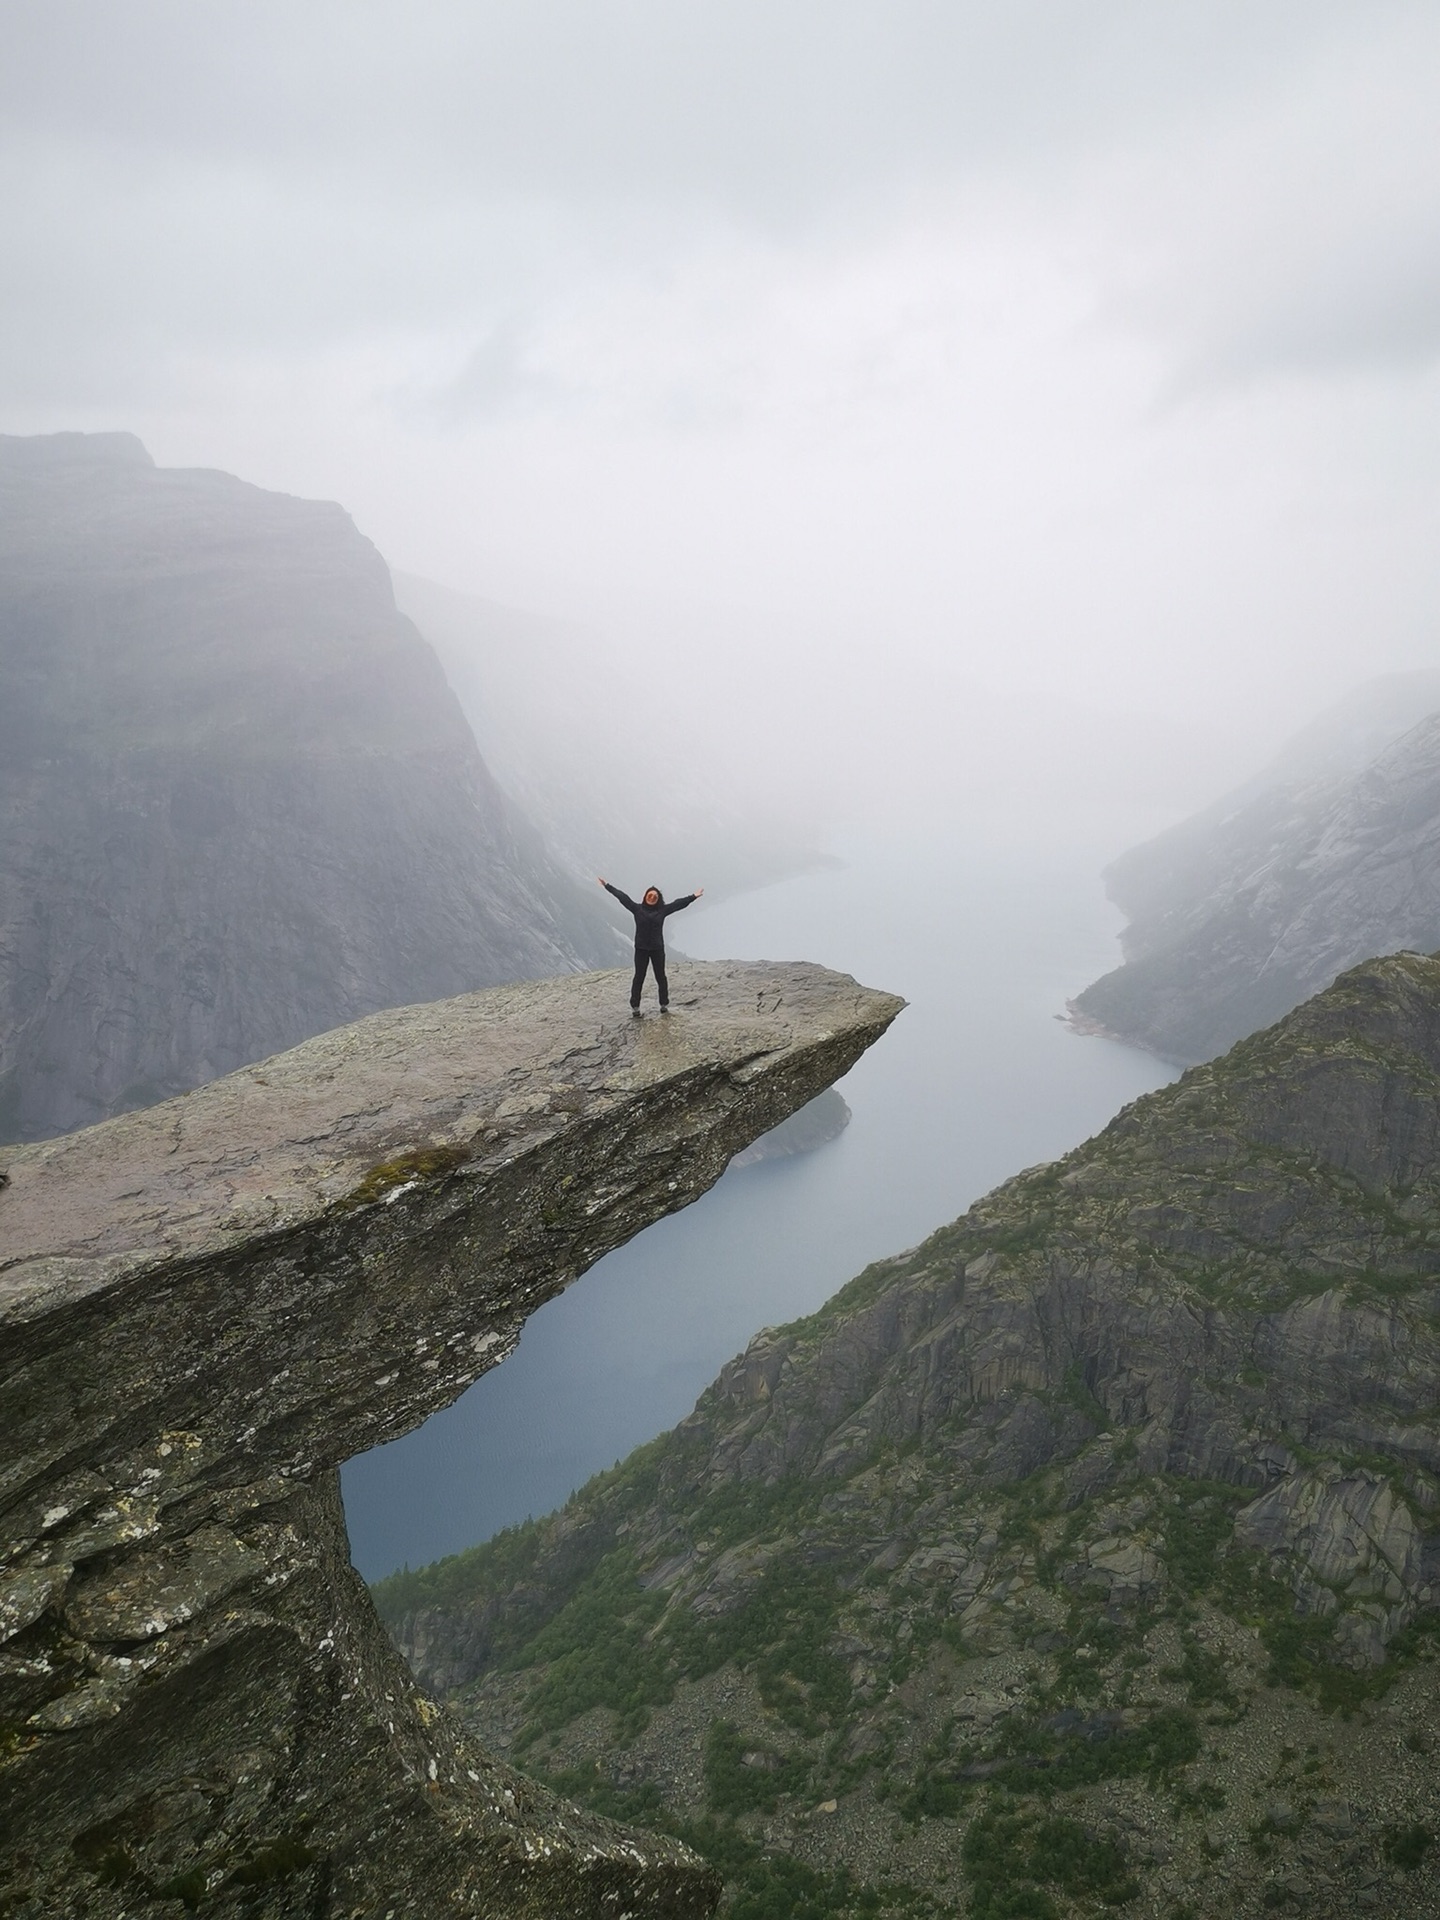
(652, 898)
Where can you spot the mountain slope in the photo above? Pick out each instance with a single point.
(240, 803)
(1050, 1551)
(204, 1309)
(1241, 912)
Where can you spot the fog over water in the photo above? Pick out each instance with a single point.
(975, 1080)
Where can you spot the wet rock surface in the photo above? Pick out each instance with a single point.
(1085, 1554)
(207, 1307)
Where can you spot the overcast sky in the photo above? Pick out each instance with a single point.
(1087, 346)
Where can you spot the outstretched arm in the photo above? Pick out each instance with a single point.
(623, 898)
(674, 906)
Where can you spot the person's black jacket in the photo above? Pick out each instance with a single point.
(650, 921)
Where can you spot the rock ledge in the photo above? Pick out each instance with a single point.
(207, 1306)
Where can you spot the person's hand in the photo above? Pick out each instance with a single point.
(698, 892)
(602, 881)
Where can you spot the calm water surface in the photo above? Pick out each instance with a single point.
(975, 1080)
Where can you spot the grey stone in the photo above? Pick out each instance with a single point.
(24, 1596)
(1338, 1532)
(1124, 1567)
(1334, 1817)
(148, 1593)
(205, 1307)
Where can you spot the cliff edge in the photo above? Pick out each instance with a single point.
(207, 1306)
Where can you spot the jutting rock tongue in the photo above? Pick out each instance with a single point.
(207, 1306)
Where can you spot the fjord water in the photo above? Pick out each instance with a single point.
(975, 1080)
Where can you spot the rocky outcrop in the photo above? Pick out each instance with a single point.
(241, 804)
(207, 1306)
(1094, 1506)
(1242, 913)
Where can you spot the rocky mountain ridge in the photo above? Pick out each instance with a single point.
(1083, 1555)
(241, 803)
(1242, 912)
(207, 1306)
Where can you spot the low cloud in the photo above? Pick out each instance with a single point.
(1080, 354)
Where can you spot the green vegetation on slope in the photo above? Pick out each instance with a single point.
(1043, 1512)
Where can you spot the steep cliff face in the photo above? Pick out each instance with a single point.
(1240, 914)
(206, 1307)
(1042, 1559)
(241, 804)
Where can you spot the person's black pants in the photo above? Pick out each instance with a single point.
(645, 958)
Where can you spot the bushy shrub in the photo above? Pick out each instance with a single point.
(1013, 1858)
(732, 1786)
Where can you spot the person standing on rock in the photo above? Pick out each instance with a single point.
(650, 937)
